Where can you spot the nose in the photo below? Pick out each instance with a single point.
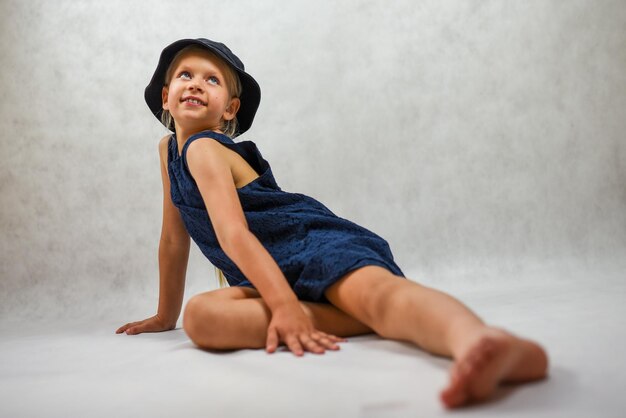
(194, 85)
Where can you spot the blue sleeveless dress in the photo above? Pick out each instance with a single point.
(313, 247)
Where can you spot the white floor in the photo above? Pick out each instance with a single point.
(85, 370)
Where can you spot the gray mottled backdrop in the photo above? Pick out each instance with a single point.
(480, 138)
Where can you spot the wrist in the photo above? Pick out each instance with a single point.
(166, 322)
(284, 304)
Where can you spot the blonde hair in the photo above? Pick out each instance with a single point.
(233, 84)
(220, 278)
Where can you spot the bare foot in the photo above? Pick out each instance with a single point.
(495, 357)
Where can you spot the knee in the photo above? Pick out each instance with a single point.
(381, 300)
(372, 301)
(199, 321)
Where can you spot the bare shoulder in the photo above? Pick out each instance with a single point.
(211, 153)
(204, 149)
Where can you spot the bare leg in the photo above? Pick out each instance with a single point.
(400, 309)
(237, 317)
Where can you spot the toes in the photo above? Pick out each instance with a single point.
(486, 367)
(470, 378)
(457, 399)
(456, 392)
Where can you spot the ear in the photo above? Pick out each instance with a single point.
(232, 109)
(164, 93)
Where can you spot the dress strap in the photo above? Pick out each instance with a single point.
(207, 134)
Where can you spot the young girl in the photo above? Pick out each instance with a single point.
(298, 274)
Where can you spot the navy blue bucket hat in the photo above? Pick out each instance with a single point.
(250, 90)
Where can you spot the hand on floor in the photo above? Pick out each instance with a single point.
(152, 324)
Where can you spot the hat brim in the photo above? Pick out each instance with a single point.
(250, 95)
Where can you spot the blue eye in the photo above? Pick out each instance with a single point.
(185, 75)
(213, 80)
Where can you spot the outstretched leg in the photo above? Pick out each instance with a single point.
(237, 317)
(398, 308)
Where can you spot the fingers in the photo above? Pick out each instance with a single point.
(294, 345)
(132, 328)
(312, 345)
(124, 327)
(328, 340)
(335, 338)
(137, 329)
(272, 341)
(152, 324)
(316, 342)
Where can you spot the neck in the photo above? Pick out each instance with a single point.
(183, 134)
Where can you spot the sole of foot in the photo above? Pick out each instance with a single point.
(494, 358)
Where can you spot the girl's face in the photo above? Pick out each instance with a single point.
(197, 96)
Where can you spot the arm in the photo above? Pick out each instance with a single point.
(173, 257)
(173, 251)
(212, 172)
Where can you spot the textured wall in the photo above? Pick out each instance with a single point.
(476, 136)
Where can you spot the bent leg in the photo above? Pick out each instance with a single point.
(237, 317)
(398, 308)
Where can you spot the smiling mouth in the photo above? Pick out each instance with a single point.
(193, 100)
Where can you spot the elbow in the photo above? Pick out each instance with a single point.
(233, 237)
